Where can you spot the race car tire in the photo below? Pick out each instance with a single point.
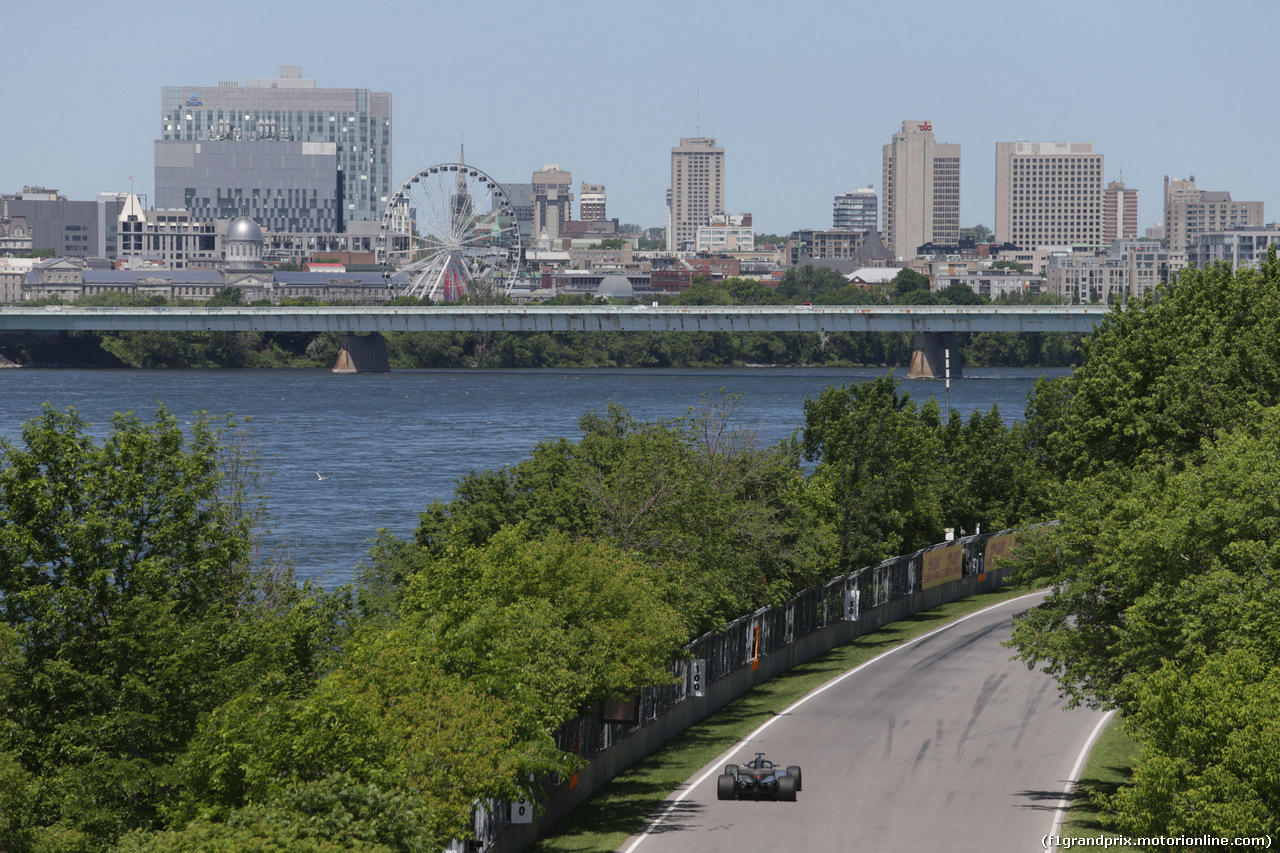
(787, 789)
(726, 787)
(794, 770)
(732, 769)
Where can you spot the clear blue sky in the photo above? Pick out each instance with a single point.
(802, 95)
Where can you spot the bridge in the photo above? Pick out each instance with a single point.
(934, 326)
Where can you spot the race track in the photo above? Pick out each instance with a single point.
(944, 744)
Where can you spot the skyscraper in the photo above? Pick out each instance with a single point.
(857, 210)
(1119, 213)
(921, 190)
(552, 201)
(1048, 194)
(285, 123)
(696, 191)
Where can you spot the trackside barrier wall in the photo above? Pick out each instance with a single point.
(751, 650)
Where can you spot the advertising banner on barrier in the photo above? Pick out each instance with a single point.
(942, 565)
(999, 546)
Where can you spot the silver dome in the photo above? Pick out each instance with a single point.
(242, 228)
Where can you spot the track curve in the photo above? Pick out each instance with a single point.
(942, 743)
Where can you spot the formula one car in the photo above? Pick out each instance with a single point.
(759, 778)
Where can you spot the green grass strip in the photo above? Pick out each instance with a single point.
(612, 814)
(1108, 768)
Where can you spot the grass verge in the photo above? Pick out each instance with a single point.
(1108, 768)
(609, 817)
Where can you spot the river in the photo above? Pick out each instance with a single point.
(389, 444)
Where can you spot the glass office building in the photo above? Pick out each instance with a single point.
(305, 123)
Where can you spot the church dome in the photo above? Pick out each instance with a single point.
(615, 287)
(244, 228)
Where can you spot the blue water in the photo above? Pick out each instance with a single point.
(389, 444)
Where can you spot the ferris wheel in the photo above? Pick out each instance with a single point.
(452, 231)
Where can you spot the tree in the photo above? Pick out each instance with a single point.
(129, 606)
(1164, 372)
(1009, 265)
(877, 459)
(388, 750)
(1210, 736)
(982, 234)
(809, 283)
(227, 297)
(725, 520)
(554, 625)
(908, 281)
(1159, 565)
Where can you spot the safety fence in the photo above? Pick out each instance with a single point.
(858, 602)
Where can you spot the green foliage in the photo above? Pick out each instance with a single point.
(908, 281)
(130, 607)
(1210, 731)
(1159, 565)
(555, 625)
(1167, 371)
(227, 297)
(389, 749)
(728, 522)
(877, 460)
(1162, 572)
(893, 476)
(1009, 265)
(808, 283)
(118, 299)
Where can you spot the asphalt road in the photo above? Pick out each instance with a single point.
(945, 744)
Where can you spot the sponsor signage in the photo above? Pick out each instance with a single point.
(194, 100)
(942, 565)
(999, 546)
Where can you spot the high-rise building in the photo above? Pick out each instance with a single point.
(921, 190)
(1048, 194)
(857, 210)
(696, 192)
(1189, 211)
(552, 201)
(591, 200)
(1119, 213)
(285, 124)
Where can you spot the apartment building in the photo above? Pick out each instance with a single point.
(857, 210)
(1132, 268)
(1240, 247)
(1189, 211)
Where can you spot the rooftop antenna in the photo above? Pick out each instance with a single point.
(697, 121)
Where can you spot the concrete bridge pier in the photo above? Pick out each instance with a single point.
(929, 353)
(362, 354)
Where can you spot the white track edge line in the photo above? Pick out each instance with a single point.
(1074, 777)
(822, 688)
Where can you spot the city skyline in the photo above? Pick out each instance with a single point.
(1009, 76)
